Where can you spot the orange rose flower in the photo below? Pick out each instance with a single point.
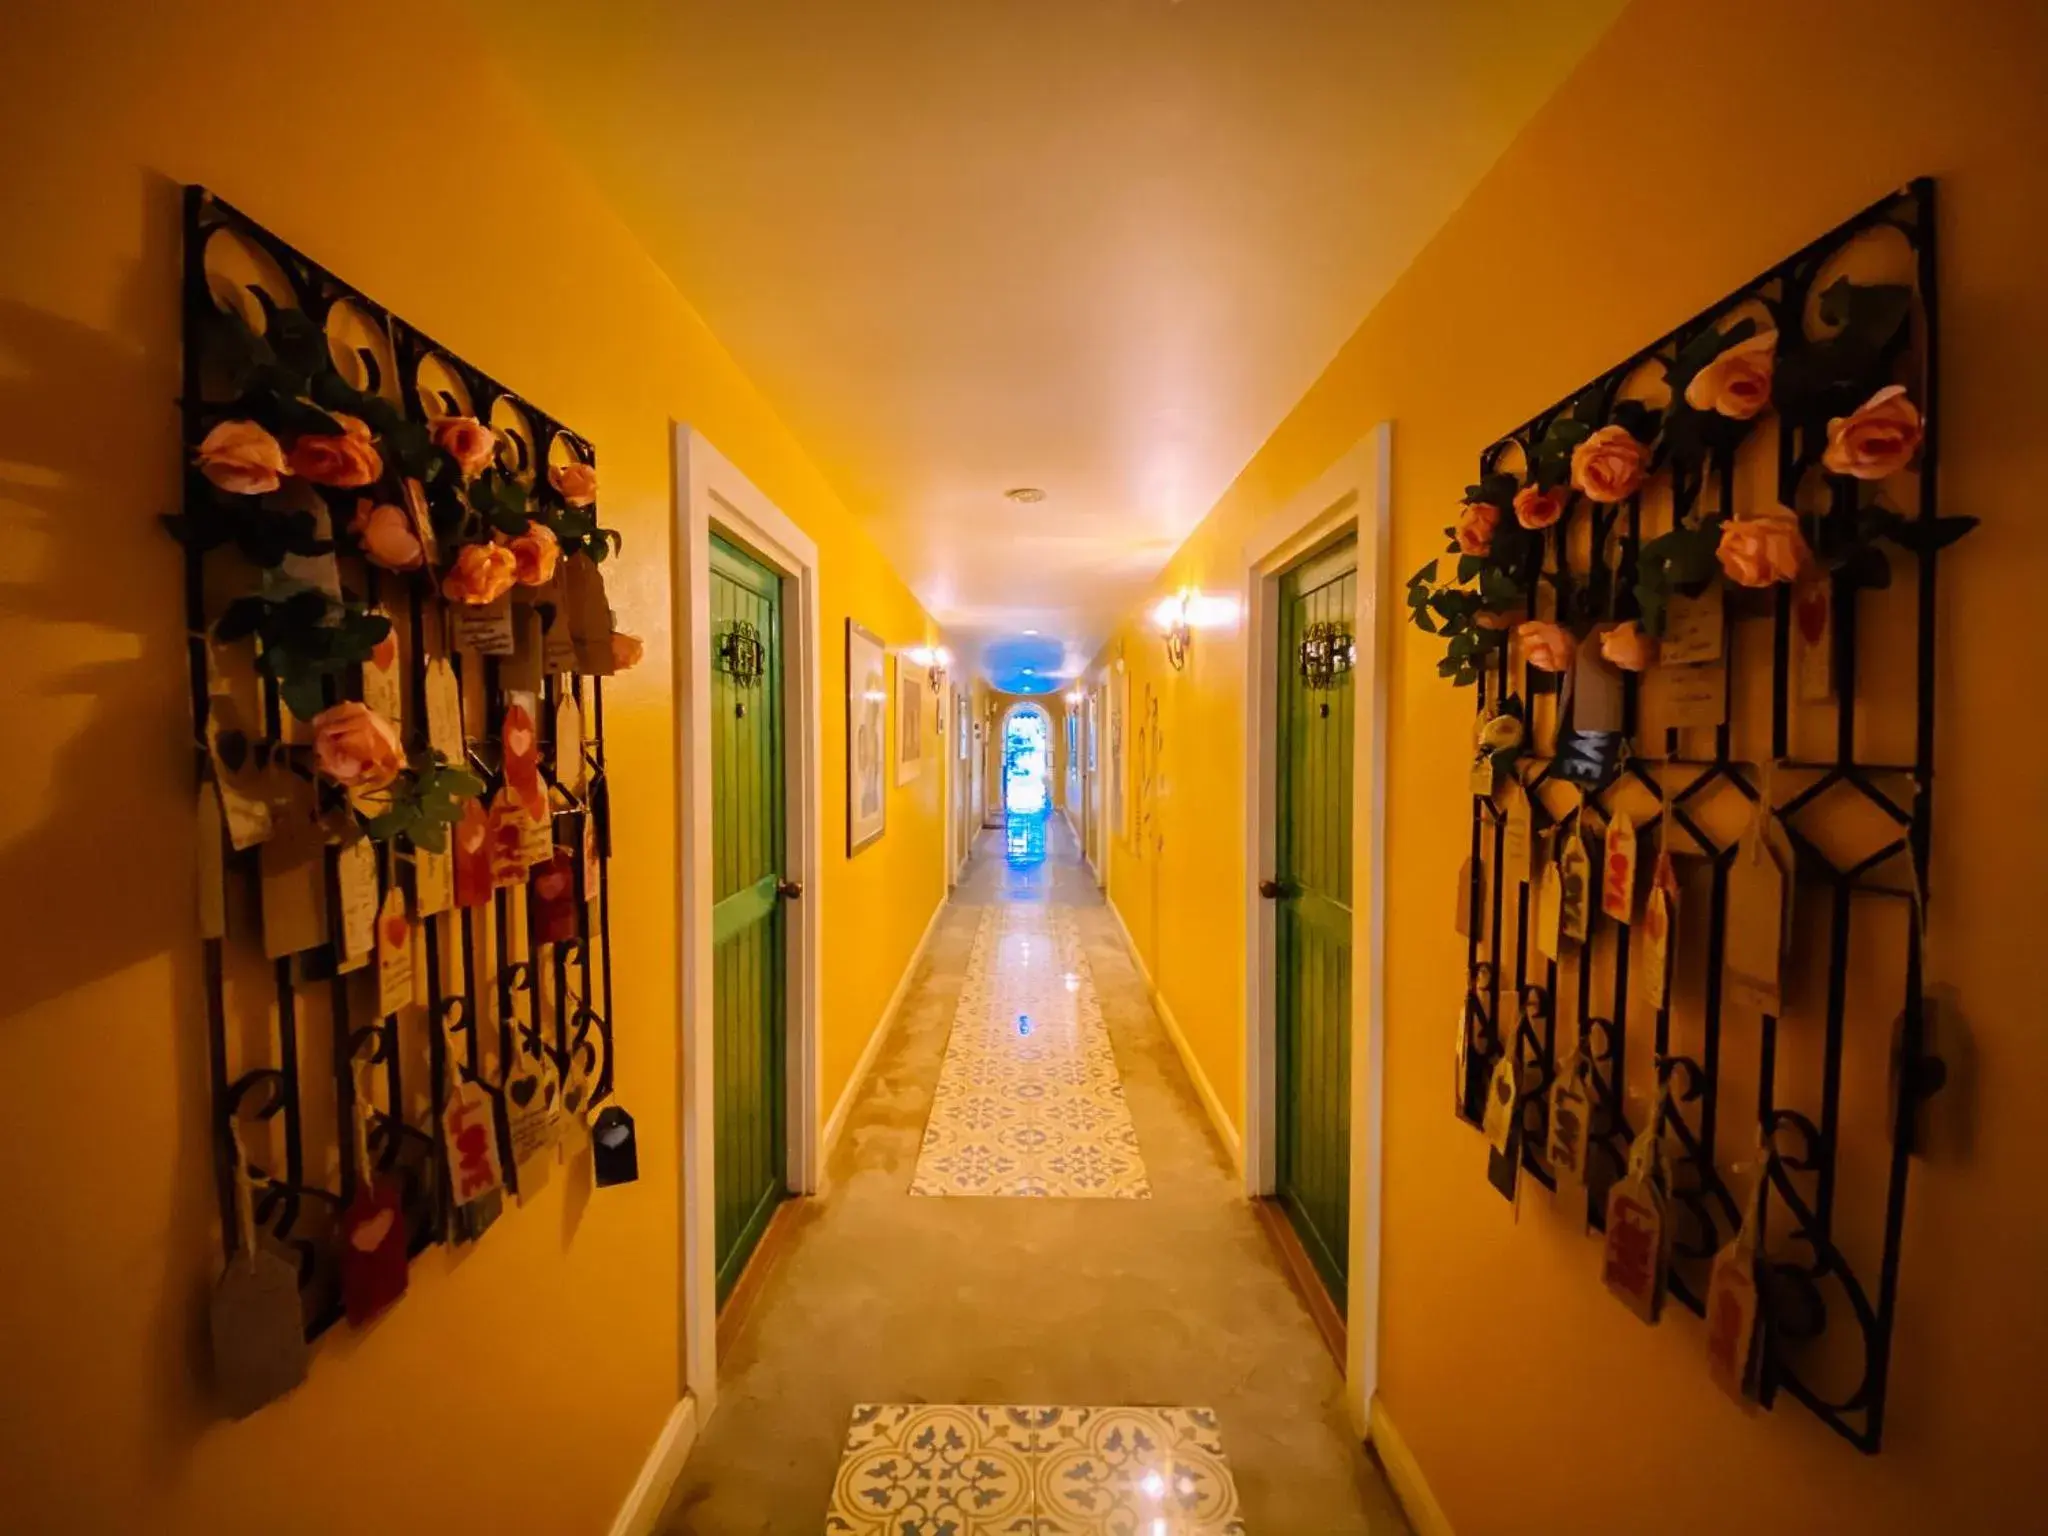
(1476, 522)
(1627, 647)
(1609, 466)
(1547, 647)
(467, 441)
(626, 651)
(535, 552)
(1876, 439)
(1736, 384)
(1536, 508)
(481, 574)
(576, 480)
(241, 458)
(355, 747)
(344, 459)
(1762, 551)
(387, 535)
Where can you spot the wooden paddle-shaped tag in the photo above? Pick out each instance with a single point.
(1633, 1262)
(373, 1259)
(1732, 1312)
(255, 1319)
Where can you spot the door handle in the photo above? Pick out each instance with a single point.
(789, 890)
(1272, 890)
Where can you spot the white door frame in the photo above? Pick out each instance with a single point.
(1355, 493)
(711, 495)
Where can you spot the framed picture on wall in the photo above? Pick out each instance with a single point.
(867, 737)
(909, 719)
(1119, 712)
(962, 722)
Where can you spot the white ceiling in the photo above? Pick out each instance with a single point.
(1097, 246)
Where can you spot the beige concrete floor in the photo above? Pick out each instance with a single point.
(886, 1297)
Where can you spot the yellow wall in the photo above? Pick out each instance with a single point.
(1701, 141)
(518, 1386)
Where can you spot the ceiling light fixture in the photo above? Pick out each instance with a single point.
(1025, 495)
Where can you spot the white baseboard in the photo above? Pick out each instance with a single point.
(658, 1474)
(1411, 1488)
(836, 1121)
(1204, 1089)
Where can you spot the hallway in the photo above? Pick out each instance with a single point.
(1170, 1298)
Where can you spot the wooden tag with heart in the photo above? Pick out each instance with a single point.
(373, 1258)
(1632, 1263)
(614, 1149)
(394, 955)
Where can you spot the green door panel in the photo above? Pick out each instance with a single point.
(749, 1109)
(1312, 922)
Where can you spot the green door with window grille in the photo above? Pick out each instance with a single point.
(1312, 920)
(747, 846)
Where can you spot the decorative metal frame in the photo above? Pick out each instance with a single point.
(1813, 1267)
(740, 653)
(1326, 653)
(302, 1192)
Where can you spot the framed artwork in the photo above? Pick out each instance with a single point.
(962, 723)
(867, 737)
(1119, 710)
(909, 719)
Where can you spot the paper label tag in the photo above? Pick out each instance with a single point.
(469, 1128)
(373, 1262)
(433, 881)
(472, 857)
(568, 764)
(521, 672)
(553, 896)
(1731, 1319)
(444, 711)
(1596, 690)
(1682, 697)
(1660, 920)
(1480, 780)
(383, 690)
(521, 741)
(533, 1104)
(485, 628)
(1500, 1103)
(258, 1332)
(294, 878)
(1569, 1109)
(355, 878)
(1695, 630)
(1575, 876)
(1618, 869)
(557, 649)
(394, 954)
(1756, 924)
(1813, 628)
(245, 788)
(1550, 912)
(1633, 1263)
(1518, 839)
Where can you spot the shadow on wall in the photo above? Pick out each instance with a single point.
(101, 850)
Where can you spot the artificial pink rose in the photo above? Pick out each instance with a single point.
(344, 459)
(387, 535)
(481, 574)
(535, 553)
(467, 441)
(1545, 646)
(1609, 466)
(576, 480)
(355, 747)
(1737, 383)
(1477, 521)
(1876, 439)
(241, 458)
(626, 651)
(1535, 508)
(1627, 647)
(1762, 551)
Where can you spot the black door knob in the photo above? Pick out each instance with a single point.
(789, 890)
(1270, 889)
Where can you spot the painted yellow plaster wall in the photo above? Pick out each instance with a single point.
(1698, 143)
(519, 1386)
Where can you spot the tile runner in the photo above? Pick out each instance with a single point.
(935, 1469)
(1029, 1101)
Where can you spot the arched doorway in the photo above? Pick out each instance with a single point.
(1027, 781)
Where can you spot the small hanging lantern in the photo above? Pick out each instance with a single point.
(1327, 651)
(740, 654)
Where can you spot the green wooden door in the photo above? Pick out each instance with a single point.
(1312, 922)
(746, 919)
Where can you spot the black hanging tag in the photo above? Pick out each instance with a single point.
(600, 800)
(614, 1150)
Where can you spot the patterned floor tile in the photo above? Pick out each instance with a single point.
(959, 1470)
(1029, 1102)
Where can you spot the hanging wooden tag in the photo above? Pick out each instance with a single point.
(1575, 886)
(1550, 912)
(1596, 691)
(590, 614)
(592, 866)
(1480, 780)
(444, 711)
(522, 756)
(1732, 1311)
(1681, 697)
(1618, 869)
(1586, 757)
(1466, 890)
(1500, 1103)
(485, 628)
(1570, 1110)
(383, 686)
(211, 865)
(1754, 951)
(1504, 1158)
(472, 856)
(433, 881)
(1659, 928)
(1694, 629)
(557, 649)
(1461, 1054)
(568, 763)
(533, 1107)
(614, 1149)
(255, 1319)
(469, 1130)
(1632, 1264)
(553, 894)
(521, 672)
(1813, 625)
(320, 570)
(507, 839)
(355, 881)
(373, 1265)
(241, 772)
(294, 877)
(1518, 840)
(394, 955)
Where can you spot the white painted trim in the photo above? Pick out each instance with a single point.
(658, 1474)
(1354, 493)
(1212, 1102)
(836, 1122)
(710, 493)
(1404, 1474)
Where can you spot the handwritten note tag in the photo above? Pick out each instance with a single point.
(521, 672)
(1695, 629)
(1618, 869)
(355, 879)
(383, 689)
(394, 954)
(485, 628)
(533, 1107)
(469, 1128)
(553, 898)
(242, 773)
(444, 710)
(1575, 884)
(1678, 698)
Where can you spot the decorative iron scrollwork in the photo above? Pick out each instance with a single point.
(740, 653)
(1327, 651)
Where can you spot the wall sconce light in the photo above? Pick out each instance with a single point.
(1076, 697)
(1179, 616)
(934, 659)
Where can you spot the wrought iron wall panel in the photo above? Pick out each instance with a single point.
(1822, 1095)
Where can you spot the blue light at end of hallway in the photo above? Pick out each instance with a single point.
(1023, 1023)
